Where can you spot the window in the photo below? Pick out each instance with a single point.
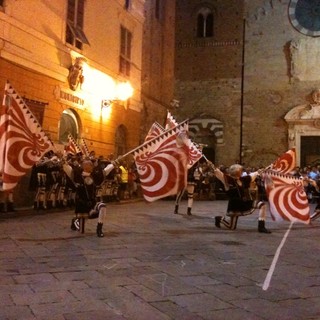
(205, 23)
(125, 51)
(1, 3)
(75, 16)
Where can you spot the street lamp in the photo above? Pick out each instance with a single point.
(123, 91)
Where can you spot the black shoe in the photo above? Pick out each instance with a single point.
(176, 209)
(189, 212)
(99, 230)
(217, 221)
(262, 228)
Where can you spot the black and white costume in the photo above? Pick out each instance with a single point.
(191, 183)
(240, 202)
(86, 183)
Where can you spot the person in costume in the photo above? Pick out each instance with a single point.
(85, 201)
(191, 183)
(240, 202)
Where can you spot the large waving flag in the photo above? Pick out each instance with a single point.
(195, 152)
(164, 158)
(22, 140)
(287, 197)
(286, 163)
(162, 164)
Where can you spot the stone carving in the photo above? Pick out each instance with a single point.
(75, 76)
(305, 55)
(265, 8)
(306, 111)
(303, 120)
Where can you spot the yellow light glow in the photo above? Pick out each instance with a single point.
(124, 91)
(98, 86)
(98, 83)
(106, 113)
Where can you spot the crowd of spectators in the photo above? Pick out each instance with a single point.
(51, 180)
(53, 188)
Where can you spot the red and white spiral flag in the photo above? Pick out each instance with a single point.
(286, 163)
(22, 140)
(162, 164)
(155, 131)
(287, 198)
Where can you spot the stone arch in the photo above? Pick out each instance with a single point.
(69, 123)
(208, 11)
(208, 132)
(204, 128)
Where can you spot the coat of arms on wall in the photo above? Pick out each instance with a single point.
(75, 77)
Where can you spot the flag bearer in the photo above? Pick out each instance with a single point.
(240, 202)
(85, 201)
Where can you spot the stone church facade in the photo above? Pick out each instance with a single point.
(242, 68)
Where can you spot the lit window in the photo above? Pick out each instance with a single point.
(125, 51)
(75, 35)
(204, 23)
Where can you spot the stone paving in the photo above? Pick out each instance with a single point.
(155, 265)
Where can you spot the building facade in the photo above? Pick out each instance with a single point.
(70, 58)
(157, 86)
(250, 69)
(76, 63)
(208, 73)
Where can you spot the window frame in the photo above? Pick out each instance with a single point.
(125, 51)
(205, 29)
(75, 35)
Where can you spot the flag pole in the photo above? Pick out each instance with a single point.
(151, 140)
(160, 135)
(242, 91)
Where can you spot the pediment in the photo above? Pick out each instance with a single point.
(304, 112)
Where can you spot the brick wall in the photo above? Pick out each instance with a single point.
(275, 79)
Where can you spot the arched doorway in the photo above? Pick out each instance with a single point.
(304, 130)
(208, 132)
(69, 124)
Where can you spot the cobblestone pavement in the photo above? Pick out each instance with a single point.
(155, 265)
